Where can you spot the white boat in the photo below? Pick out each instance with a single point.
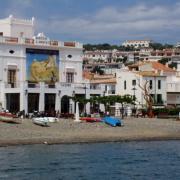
(52, 119)
(41, 121)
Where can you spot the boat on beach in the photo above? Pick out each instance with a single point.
(41, 121)
(91, 119)
(112, 121)
(9, 118)
(44, 121)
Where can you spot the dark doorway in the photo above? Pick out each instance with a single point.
(13, 102)
(50, 104)
(65, 104)
(33, 102)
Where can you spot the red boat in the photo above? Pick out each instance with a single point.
(8, 117)
(90, 119)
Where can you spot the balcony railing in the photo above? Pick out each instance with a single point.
(33, 85)
(12, 84)
(173, 87)
(29, 41)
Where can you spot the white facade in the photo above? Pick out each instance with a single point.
(129, 82)
(16, 91)
(13, 27)
(136, 43)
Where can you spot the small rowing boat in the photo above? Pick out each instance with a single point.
(41, 121)
(112, 121)
(91, 119)
(9, 118)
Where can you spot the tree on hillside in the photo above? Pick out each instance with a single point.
(159, 46)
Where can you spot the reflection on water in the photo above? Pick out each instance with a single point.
(132, 160)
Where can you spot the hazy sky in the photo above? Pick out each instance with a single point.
(100, 21)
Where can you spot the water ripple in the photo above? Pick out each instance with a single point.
(133, 160)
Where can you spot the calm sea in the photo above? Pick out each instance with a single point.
(130, 160)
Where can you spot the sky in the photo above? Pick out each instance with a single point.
(100, 21)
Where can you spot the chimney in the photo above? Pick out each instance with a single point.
(167, 64)
(161, 72)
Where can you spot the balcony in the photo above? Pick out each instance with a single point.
(40, 42)
(173, 87)
(12, 84)
(33, 85)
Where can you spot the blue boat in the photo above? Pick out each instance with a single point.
(112, 121)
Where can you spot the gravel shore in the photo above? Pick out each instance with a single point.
(68, 131)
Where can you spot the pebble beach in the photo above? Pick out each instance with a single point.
(68, 131)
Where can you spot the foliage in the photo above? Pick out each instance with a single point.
(163, 61)
(106, 46)
(166, 60)
(106, 100)
(159, 46)
(97, 70)
(173, 65)
(172, 111)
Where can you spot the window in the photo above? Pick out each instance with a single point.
(159, 84)
(150, 84)
(11, 51)
(69, 56)
(133, 82)
(159, 99)
(11, 77)
(124, 84)
(153, 97)
(69, 77)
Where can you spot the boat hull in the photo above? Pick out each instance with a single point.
(41, 122)
(90, 119)
(9, 118)
(112, 121)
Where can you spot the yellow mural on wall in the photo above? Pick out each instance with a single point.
(42, 65)
(45, 70)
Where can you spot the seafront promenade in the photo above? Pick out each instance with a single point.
(67, 131)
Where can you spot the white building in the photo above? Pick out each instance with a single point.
(37, 73)
(136, 43)
(129, 82)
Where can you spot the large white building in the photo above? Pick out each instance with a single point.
(137, 43)
(37, 73)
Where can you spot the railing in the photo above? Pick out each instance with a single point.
(29, 41)
(33, 85)
(173, 87)
(12, 84)
(50, 86)
(8, 39)
(95, 87)
(64, 84)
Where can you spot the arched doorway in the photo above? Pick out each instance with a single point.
(65, 104)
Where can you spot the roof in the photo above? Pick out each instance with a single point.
(149, 74)
(159, 66)
(155, 66)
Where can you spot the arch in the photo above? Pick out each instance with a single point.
(65, 104)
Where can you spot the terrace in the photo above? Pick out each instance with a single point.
(39, 42)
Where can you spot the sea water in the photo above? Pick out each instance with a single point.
(129, 160)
